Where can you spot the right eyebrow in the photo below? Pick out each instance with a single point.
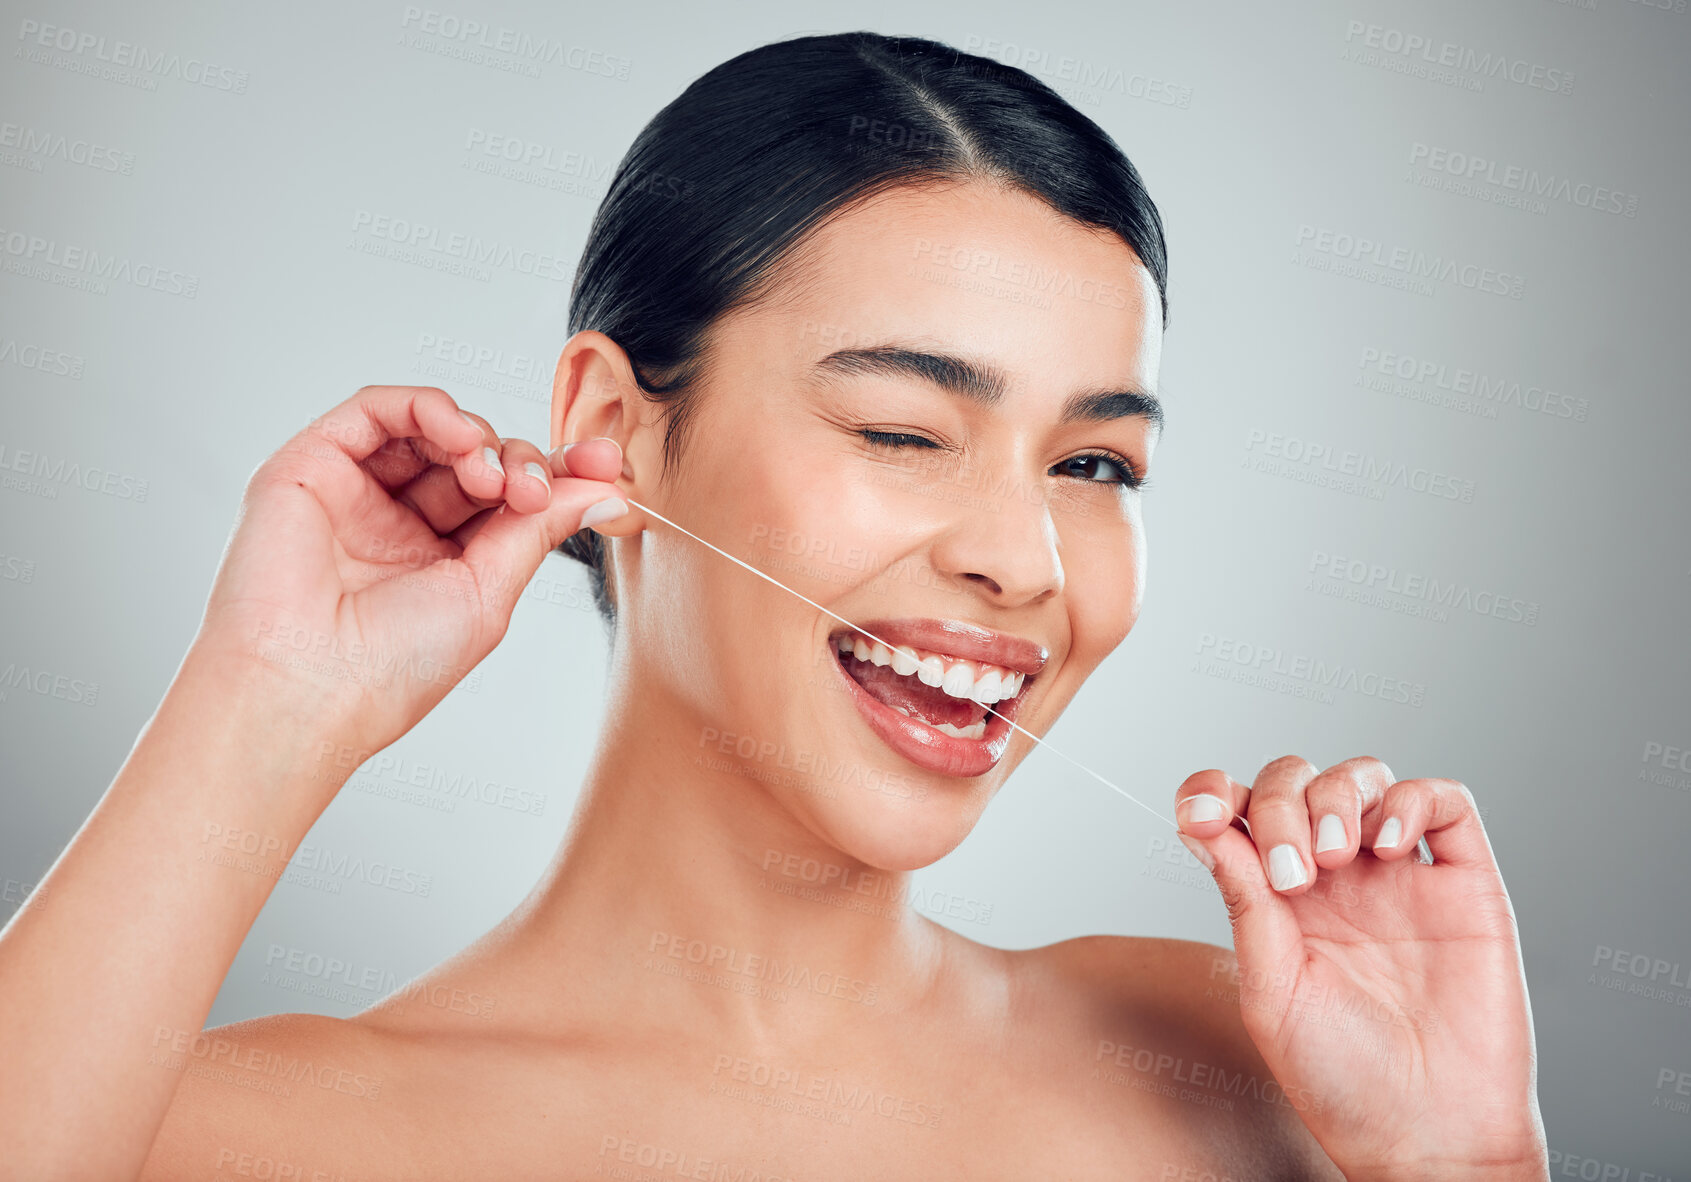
(985, 384)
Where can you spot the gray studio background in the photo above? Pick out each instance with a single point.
(1273, 137)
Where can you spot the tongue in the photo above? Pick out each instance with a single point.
(927, 702)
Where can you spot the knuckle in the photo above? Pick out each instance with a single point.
(1289, 764)
(1282, 802)
(285, 466)
(1341, 782)
(1211, 780)
(262, 473)
(1369, 764)
(1238, 903)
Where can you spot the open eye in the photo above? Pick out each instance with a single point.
(1101, 468)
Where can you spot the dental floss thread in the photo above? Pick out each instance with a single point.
(872, 636)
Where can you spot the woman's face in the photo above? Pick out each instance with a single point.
(918, 433)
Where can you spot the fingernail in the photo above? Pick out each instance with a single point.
(1390, 834)
(600, 512)
(539, 473)
(491, 459)
(1204, 808)
(469, 420)
(1330, 834)
(1199, 850)
(1285, 868)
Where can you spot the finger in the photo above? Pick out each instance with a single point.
(599, 458)
(396, 463)
(1266, 936)
(1336, 800)
(505, 548)
(327, 458)
(528, 476)
(480, 470)
(376, 414)
(322, 466)
(438, 497)
(461, 517)
(1279, 821)
(1208, 802)
(1440, 810)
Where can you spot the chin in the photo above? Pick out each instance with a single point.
(903, 836)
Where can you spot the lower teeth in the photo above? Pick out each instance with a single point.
(974, 730)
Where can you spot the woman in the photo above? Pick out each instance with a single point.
(905, 304)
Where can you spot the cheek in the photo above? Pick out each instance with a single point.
(1105, 585)
(829, 523)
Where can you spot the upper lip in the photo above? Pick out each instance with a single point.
(956, 638)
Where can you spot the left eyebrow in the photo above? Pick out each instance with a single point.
(985, 384)
(1101, 406)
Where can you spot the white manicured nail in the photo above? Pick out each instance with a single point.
(600, 512)
(1390, 834)
(1204, 808)
(1198, 851)
(1330, 834)
(1285, 868)
(491, 459)
(539, 473)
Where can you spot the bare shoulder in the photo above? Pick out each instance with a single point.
(1160, 1023)
(380, 1094)
(1181, 981)
(262, 1097)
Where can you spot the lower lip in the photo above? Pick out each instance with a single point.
(930, 749)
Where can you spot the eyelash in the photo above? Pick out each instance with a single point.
(1132, 479)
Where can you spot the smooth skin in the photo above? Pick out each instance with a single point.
(580, 1037)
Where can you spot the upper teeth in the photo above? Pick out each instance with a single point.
(974, 681)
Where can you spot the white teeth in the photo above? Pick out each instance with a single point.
(931, 670)
(959, 680)
(974, 730)
(970, 681)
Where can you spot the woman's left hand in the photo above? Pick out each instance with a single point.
(1386, 994)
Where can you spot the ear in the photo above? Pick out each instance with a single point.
(595, 395)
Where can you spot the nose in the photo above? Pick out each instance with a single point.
(1008, 549)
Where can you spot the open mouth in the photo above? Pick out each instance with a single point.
(931, 703)
(948, 693)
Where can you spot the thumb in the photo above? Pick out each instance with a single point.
(1266, 936)
(508, 547)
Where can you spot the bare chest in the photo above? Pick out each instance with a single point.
(728, 1115)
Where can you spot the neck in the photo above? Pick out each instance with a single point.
(684, 881)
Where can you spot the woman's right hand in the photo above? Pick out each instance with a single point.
(379, 553)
